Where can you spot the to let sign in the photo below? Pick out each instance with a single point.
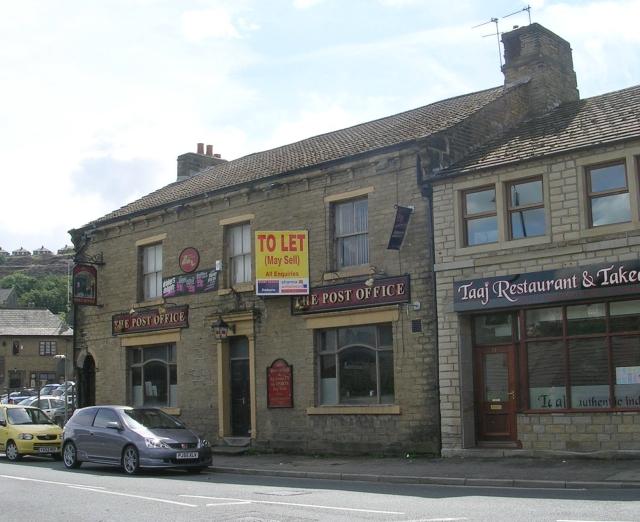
(280, 385)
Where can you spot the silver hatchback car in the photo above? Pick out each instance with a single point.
(133, 438)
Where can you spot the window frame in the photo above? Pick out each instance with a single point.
(47, 348)
(595, 195)
(231, 255)
(466, 217)
(338, 349)
(142, 287)
(171, 363)
(511, 210)
(338, 258)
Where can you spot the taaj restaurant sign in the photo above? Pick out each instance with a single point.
(282, 262)
(390, 290)
(593, 281)
(150, 319)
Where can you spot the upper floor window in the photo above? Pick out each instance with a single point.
(351, 233)
(608, 193)
(16, 347)
(239, 253)
(480, 217)
(526, 209)
(48, 347)
(152, 271)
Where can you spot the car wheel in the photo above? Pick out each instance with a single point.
(70, 456)
(130, 460)
(12, 451)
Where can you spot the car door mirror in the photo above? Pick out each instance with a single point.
(114, 425)
(3, 422)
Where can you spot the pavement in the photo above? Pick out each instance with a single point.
(538, 472)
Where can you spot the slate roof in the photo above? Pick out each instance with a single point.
(31, 321)
(5, 293)
(604, 119)
(359, 139)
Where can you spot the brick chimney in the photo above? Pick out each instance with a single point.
(540, 56)
(192, 163)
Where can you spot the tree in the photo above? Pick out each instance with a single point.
(44, 292)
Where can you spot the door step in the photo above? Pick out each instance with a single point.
(232, 446)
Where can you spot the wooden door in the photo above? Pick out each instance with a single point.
(495, 373)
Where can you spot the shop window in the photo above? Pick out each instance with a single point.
(39, 379)
(151, 261)
(356, 365)
(608, 195)
(583, 357)
(547, 376)
(526, 209)
(239, 253)
(626, 362)
(589, 373)
(493, 328)
(351, 232)
(153, 375)
(544, 322)
(479, 216)
(47, 348)
(625, 316)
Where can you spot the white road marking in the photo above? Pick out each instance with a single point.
(228, 503)
(572, 520)
(155, 499)
(295, 504)
(50, 482)
(436, 519)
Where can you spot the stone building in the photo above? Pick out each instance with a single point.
(537, 265)
(192, 313)
(29, 340)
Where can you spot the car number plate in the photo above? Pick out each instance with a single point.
(187, 455)
(47, 449)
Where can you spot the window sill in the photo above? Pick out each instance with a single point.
(389, 409)
(170, 410)
(150, 302)
(608, 229)
(503, 245)
(240, 288)
(348, 272)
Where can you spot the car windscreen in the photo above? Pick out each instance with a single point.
(27, 416)
(151, 419)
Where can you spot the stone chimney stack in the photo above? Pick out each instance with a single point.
(535, 55)
(192, 163)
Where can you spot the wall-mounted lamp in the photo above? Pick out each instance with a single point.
(221, 329)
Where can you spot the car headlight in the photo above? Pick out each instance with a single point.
(156, 443)
(204, 443)
(25, 436)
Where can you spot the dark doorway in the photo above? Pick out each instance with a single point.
(240, 387)
(87, 384)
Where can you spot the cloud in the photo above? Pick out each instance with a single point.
(204, 24)
(306, 4)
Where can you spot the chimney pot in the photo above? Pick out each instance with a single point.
(200, 148)
(209, 150)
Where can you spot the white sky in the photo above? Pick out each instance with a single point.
(99, 97)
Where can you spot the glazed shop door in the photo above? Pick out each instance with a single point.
(240, 387)
(495, 375)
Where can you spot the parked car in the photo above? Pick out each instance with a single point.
(17, 396)
(25, 430)
(50, 404)
(133, 438)
(48, 389)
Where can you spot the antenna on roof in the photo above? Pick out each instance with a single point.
(527, 9)
(497, 34)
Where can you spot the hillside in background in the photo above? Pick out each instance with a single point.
(35, 266)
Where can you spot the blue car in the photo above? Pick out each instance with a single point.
(132, 438)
